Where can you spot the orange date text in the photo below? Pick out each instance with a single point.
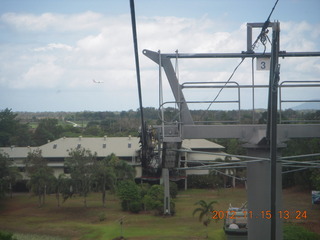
(284, 214)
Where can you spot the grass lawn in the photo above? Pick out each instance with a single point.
(72, 221)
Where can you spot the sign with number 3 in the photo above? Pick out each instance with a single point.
(263, 64)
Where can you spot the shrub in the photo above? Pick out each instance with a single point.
(135, 206)
(102, 216)
(205, 181)
(129, 194)
(173, 189)
(6, 236)
(154, 200)
(144, 187)
(296, 232)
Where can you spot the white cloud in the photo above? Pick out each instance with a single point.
(102, 49)
(41, 75)
(53, 46)
(49, 21)
(299, 37)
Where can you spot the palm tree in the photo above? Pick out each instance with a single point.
(205, 211)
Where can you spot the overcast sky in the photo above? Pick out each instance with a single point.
(50, 51)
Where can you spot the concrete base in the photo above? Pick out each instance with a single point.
(259, 199)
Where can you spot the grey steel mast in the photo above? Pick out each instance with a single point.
(264, 178)
(135, 44)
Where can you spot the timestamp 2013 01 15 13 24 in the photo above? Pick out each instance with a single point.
(283, 214)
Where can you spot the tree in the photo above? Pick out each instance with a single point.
(205, 211)
(4, 173)
(121, 168)
(63, 186)
(301, 146)
(13, 177)
(40, 174)
(11, 131)
(48, 129)
(80, 163)
(315, 178)
(103, 176)
(8, 125)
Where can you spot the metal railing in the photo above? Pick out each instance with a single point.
(237, 99)
(296, 84)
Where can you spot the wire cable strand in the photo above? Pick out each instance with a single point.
(233, 72)
(263, 37)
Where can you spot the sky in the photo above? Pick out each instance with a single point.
(51, 51)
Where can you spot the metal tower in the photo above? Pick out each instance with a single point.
(263, 141)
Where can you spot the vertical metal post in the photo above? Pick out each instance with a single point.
(166, 200)
(274, 79)
(252, 74)
(161, 97)
(249, 38)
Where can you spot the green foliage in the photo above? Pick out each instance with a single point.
(121, 168)
(4, 173)
(102, 216)
(296, 232)
(48, 129)
(41, 176)
(7, 126)
(81, 162)
(308, 178)
(12, 132)
(144, 187)
(204, 211)
(63, 186)
(9, 175)
(315, 178)
(128, 192)
(173, 189)
(154, 199)
(103, 176)
(205, 181)
(6, 236)
(135, 206)
(24, 236)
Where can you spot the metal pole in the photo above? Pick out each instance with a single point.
(283, 54)
(135, 43)
(274, 79)
(252, 76)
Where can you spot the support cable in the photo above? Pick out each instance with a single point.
(222, 154)
(233, 72)
(263, 37)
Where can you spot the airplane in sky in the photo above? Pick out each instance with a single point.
(97, 81)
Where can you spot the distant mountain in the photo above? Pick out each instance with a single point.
(308, 106)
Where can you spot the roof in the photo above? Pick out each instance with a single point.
(17, 152)
(104, 146)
